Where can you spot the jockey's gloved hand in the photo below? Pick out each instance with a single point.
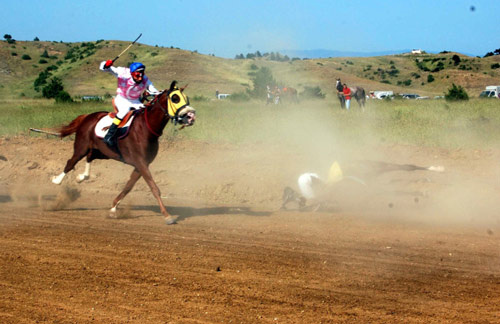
(108, 64)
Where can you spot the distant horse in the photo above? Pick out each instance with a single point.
(289, 94)
(137, 148)
(358, 93)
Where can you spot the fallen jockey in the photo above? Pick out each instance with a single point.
(315, 192)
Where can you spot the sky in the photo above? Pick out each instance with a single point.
(226, 28)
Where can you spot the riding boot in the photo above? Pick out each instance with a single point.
(110, 138)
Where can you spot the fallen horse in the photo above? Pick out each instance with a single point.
(316, 190)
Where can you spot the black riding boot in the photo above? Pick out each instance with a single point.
(110, 138)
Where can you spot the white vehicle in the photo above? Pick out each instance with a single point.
(491, 92)
(381, 94)
(223, 95)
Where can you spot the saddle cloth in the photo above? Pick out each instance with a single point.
(102, 126)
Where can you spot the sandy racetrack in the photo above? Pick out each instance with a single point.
(417, 247)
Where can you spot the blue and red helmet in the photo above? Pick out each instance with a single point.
(137, 67)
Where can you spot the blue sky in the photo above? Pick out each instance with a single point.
(226, 28)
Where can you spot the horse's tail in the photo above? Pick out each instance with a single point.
(71, 127)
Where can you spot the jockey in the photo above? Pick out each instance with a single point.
(132, 83)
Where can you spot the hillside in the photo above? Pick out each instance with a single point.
(76, 64)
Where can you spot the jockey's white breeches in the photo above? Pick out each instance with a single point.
(123, 105)
(305, 183)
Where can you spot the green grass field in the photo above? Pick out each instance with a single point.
(471, 124)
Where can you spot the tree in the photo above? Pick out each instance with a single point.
(36, 39)
(45, 54)
(52, 89)
(7, 37)
(456, 93)
(456, 59)
(262, 78)
(312, 93)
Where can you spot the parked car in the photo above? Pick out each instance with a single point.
(410, 96)
(490, 92)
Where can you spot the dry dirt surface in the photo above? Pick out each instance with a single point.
(410, 247)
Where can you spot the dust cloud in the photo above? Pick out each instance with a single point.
(303, 138)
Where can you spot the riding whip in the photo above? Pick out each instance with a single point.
(116, 58)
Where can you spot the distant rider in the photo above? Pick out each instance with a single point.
(132, 83)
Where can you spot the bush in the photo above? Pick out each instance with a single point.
(430, 78)
(312, 93)
(262, 78)
(26, 57)
(495, 66)
(13, 54)
(456, 93)
(63, 96)
(239, 96)
(42, 61)
(52, 89)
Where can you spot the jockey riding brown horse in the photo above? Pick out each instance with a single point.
(137, 148)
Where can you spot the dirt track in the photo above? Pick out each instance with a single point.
(397, 256)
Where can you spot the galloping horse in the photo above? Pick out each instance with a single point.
(358, 93)
(138, 148)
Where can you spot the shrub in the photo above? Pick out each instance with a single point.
(239, 96)
(42, 61)
(63, 96)
(430, 78)
(41, 80)
(456, 93)
(262, 78)
(495, 66)
(45, 54)
(26, 57)
(312, 93)
(13, 54)
(52, 89)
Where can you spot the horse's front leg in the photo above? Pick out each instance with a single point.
(85, 175)
(130, 184)
(146, 174)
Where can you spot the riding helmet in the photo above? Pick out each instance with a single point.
(137, 66)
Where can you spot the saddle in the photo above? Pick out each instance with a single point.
(102, 126)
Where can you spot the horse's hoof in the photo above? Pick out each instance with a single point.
(81, 178)
(170, 220)
(55, 180)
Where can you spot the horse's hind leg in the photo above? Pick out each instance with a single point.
(130, 184)
(79, 152)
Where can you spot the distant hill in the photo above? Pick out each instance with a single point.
(76, 64)
(324, 53)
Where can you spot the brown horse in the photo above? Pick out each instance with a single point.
(138, 148)
(289, 94)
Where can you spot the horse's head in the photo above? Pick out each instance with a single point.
(178, 108)
(338, 85)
